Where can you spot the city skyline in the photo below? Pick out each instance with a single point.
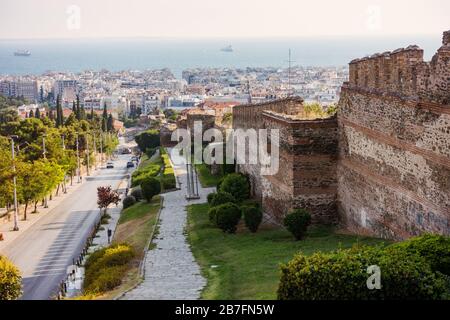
(48, 19)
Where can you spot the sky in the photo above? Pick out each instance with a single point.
(34, 19)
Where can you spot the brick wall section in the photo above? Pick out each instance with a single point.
(394, 144)
(308, 157)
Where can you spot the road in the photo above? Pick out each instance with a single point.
(45, 251)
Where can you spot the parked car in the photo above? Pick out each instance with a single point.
(130, 164)
(134, 158)
(109, 165)
(126, 151)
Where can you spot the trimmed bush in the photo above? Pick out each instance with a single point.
(141, 174)
(434, 248)
(342, 275)
(150, 152)
(212, 214)
(210, 197)
(105, 268)
(252, 217)
(10, 280)
(297, 222)
(150, 187)
(237, 185)
(227, 217)
(128, 201)
(222, 197)
(168, 182)
(137, 193)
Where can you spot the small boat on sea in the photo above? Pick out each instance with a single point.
(227, 49)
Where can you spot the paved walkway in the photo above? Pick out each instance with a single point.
(171, 271)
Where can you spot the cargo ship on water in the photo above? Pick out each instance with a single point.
(22, 53)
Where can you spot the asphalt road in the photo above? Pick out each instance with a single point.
(47, 248)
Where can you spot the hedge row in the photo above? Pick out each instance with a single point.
(413, 269)
(105, 268)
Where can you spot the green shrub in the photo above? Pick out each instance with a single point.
(297, 222)
(434, 248)
(210, 197)
(10, 280)
(141, 174)
(342, 275)
(237, 185)
(251, 203)
(148, 139)
(128, 201)
(105, 219)
(222, 197)
(227, 217)
(105, 268)
(137, 193)
(252, 217)
(150, 152)
(212, 214)
(150, 187)
(168, 182)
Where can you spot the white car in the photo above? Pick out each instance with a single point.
(109, 165)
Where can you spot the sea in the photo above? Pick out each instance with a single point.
(180, 54)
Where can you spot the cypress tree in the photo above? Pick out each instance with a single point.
(92, 113)
(31, 114)
(78, 113)
(109, 124)
(38, 113)
(74, 107)
(104, 118)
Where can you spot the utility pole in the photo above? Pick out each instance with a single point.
(63, 145)
(87, 153)
(78, 161)
(16, 208)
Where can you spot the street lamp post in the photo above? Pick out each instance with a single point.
(43, 154)
(87, 153)
(64, 149)
(16, 209)
(43, 146)
(101, 148)
(78, 161)
(95, 152)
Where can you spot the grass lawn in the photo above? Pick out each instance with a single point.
(206, 178)
(135, 226)
(246, 265)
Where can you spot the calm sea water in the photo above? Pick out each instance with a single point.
(177, 55)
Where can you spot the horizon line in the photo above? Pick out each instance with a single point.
(272, 37)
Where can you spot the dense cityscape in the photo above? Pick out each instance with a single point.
(136, 93)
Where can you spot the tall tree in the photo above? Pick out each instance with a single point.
(31, 114)
(74, 108)
(78, 110)
(105, 118)
(37, 114)
(110, 123)
(58, 112)
(92, 114)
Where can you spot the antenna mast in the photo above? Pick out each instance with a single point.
(289, 72)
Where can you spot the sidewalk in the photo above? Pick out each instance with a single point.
(171, 271)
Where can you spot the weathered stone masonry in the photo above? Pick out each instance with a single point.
(394, 144)
(390, 174)
(307, 173)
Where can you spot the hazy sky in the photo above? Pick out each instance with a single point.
(220, 18)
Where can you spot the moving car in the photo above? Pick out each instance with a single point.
(109, 165)
(130, 164)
